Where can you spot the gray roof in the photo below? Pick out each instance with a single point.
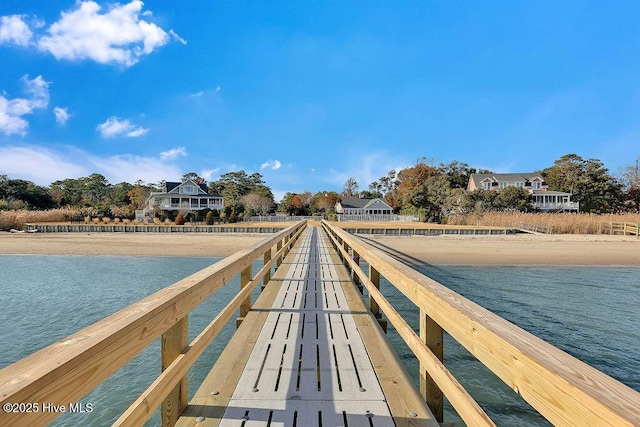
(354, 202)
(505, 177)
(173, 185)
(351, 202)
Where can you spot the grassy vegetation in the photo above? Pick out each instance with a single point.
(560, 223)
(17, 219)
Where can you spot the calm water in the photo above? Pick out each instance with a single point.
(590, 312)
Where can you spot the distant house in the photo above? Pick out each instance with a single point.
(357, 206)
(185, 196)
(544, 199)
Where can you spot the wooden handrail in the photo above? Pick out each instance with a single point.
(64, 372)
(563, 389)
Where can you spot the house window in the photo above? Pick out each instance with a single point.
(189, 189)
(486, 185)
(520, 184)
(504, 184)
(536, 185)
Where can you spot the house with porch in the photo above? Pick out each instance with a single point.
(544, 199)
(187, 196)
(357, 206)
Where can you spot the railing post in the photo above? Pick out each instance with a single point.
(356, 278)
(286, 244)
(279, 260)
(266, 258)
(374, 276)
(174, 341)
(345, 245)
(245, 277)
(432, 335)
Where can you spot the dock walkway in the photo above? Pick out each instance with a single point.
(308, 353)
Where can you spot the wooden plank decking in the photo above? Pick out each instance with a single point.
(308, 353)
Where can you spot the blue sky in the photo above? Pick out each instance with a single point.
(309, 93)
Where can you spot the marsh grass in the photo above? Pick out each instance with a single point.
(560, 223)
(17, 219)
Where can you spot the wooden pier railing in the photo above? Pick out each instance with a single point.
(563, 389)
(69, 369)
(560, 387)
(625, 228)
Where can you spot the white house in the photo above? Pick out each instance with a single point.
(357, 206)
(544, 199)
(187, 196)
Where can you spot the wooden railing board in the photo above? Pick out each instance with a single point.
(69, 369)
(142, 409)
(464, 404)
(563, 389)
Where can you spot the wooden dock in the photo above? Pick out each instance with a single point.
(300, 356)
(310, 351)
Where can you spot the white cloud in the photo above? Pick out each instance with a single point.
(119, 36)
(177, 38)
(115, 126)
(271, 164)
(208, 173)
(13, 30)
(137, 132)
(62, 115)
(197, 94)
(173, 153)
(38, 164)
(43, 165)
(218, 88)
(38, 89)
(12, 110)
(130, 168)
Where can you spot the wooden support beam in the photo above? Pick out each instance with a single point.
(265, 260)
(245, 277)
(174, 341)
(354, 276)
(374, 276)
(278, 247)
(432, 335)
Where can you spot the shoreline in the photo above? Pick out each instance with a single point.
(567, 250)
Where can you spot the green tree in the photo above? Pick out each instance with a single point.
(233, 185)
(457, 173)
(68, 192)
(513, 199)
(19, 193)
(589, 182)
(118, 195)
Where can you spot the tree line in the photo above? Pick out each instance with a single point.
(432, 191)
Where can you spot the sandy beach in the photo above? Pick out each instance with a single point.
(152, 244)
(449, 249)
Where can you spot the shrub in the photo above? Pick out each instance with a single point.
(180, 218)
